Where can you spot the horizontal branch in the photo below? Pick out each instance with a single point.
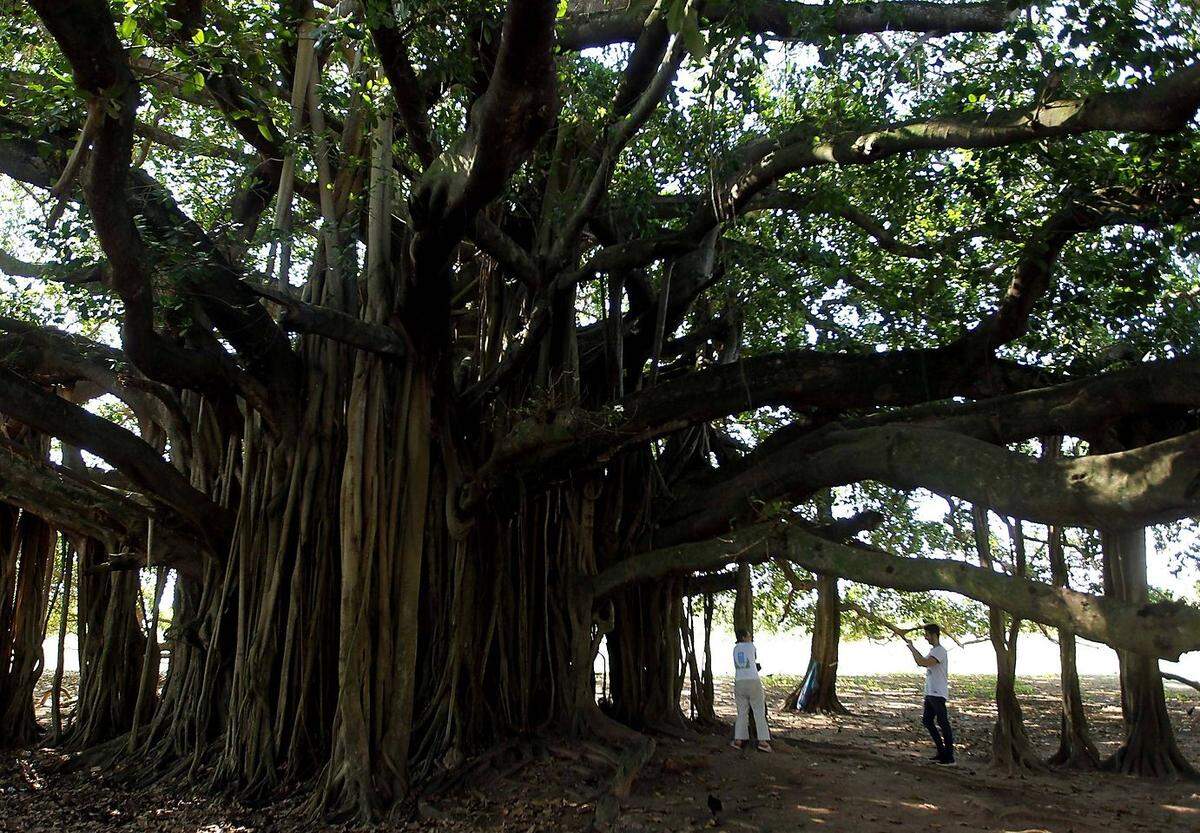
(1161, 107)
(138, 461)
(801, 378)
(76, 505)
(803, 22)
(314, 319)
(1081, 408)
(51, 356)
(1163, 629)
(1149, 484)
(1175, 678)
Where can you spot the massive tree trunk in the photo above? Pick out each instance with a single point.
(1149, 747)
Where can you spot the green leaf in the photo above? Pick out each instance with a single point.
(562, 10)
(198, 38)
(128, 27)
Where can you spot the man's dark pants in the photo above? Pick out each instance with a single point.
(935, 718)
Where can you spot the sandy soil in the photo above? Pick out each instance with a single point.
(863, 772)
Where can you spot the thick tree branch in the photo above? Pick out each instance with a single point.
(53, 415)
(51, 356)
(801, 22)
(516, 109)
(1150, 204)
(1161, 107)
(507, 252)
(314, 319)
(1149, 484)
(803, 378)
(411, 103)
(76, 505)
(1165, 629)
(1085, 407)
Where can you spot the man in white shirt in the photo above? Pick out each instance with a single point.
(937, 690)
(748, 694)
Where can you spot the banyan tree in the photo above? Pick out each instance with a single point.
(416, 345)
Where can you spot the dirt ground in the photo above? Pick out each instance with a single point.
(865, 772)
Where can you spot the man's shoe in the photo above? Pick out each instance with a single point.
(945, 762)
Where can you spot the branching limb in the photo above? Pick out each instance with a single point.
(1150, 204)
(801, 378)
(1165, 629)
(71, 503)
(139, 462)
(516, 109)
(1148, 484)
(1161, 107)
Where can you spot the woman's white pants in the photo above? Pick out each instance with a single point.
(749, 696)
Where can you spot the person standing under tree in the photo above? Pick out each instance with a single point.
(748, 694)
(937, 690)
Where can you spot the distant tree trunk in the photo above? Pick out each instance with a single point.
(820, 695)
(1149, 747)
(1011, 748)
(1076, 749)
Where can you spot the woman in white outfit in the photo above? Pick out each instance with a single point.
(748, 694)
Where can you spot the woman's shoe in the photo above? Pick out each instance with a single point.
(765, 746)
(738, 744)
